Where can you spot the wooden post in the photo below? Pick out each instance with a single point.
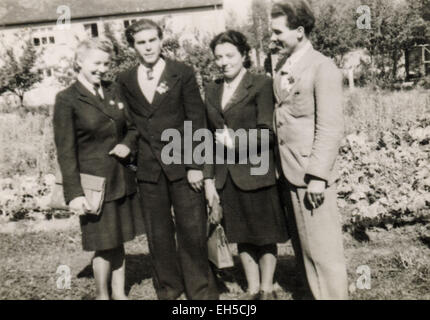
(351, 78)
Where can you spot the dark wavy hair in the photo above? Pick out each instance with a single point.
(237, 39)
(298, 13)
(142, 24)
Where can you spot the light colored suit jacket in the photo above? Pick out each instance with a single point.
(308, 119)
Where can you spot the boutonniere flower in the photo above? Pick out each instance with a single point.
(162, 88)
(291, 79)
(120, 105)
(111, 102)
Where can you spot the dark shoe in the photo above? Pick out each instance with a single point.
(264, 295)
(249, 296)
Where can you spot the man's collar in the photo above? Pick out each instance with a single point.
(157, 66)
(297, 55)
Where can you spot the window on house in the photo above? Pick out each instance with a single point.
(128, 22)
(92, 30)
(51, 40)
(36, 42)
(48, 72)
(44, 40)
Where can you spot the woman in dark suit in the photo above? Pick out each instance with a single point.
(91, 137)
(252, 214)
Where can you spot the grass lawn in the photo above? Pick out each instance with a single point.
(399, 262)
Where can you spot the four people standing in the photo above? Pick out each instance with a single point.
(160, 94)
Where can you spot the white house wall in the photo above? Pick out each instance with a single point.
(183, 22)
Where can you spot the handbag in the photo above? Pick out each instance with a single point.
(94, 189)
(218, 250)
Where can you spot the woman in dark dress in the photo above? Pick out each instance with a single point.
(252, 214)
(91, 137)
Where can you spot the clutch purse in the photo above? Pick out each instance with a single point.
(218, 250)
(94, 190)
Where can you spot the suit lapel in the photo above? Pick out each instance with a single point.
(167, 81)
(87, 97)
(111, 101)
(213, 100)
(215, 95)
(134, 87)
(131, 87)
(240, 93)
(295, 75)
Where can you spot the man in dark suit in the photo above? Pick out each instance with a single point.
(162, 94)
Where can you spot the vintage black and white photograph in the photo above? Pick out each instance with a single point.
(215, 150)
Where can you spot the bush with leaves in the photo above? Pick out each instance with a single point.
(386, 182)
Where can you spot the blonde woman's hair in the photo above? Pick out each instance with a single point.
(102, 44)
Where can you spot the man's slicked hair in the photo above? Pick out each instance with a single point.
(297, 12)
(142, 24)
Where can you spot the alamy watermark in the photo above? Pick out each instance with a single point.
(364, 21)
(250, 147)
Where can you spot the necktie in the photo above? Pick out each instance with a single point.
(97, 87)
(149, 74)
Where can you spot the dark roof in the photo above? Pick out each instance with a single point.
(21, 12)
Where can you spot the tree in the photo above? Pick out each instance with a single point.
(335, 30)
(256, 28)
(18, 74)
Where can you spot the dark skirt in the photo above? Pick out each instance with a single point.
(254, 217)
(120, 221)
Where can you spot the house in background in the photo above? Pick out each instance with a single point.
(45, 20)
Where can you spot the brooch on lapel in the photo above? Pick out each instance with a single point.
(162, 88)
(119, 104)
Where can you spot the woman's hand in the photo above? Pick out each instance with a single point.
(195, 179)
(224, 138)
(212, 197)
(120, 150)
(210, 192)
(79, 205)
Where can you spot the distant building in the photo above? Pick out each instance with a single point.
(417, 61)
(88, 17)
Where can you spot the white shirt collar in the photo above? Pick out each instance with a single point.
(297, 55)
(157, 68)
(86, 83)
(230, 88)
(233, 84)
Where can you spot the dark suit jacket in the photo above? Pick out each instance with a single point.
(251, 107)
(181, 102)
(85, 130)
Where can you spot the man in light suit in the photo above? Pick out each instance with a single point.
(309, 125)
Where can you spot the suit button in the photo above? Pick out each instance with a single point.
(281, 142)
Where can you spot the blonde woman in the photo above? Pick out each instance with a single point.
(91, 137)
